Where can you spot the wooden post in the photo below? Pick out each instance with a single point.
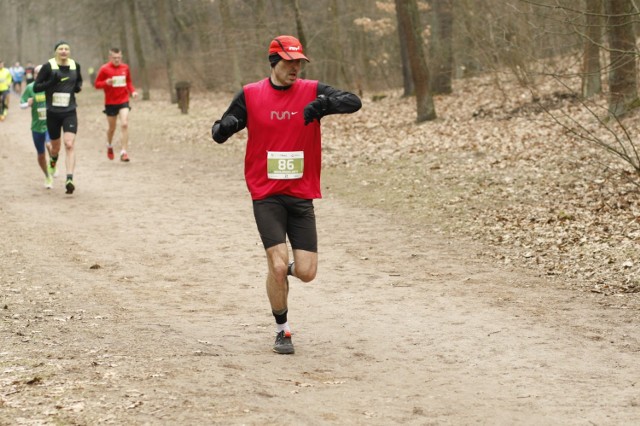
(182, 91)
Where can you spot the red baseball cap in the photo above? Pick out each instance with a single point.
(288, 47)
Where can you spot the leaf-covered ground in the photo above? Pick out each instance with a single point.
(496, 168)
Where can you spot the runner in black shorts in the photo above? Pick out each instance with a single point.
(60, 78)
(282, 167)
(114, 78)
(280, 216)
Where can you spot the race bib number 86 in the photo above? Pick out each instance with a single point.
(285, 165)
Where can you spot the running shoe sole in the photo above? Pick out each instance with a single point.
(70, 187)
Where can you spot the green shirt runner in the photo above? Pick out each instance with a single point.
(38, 108)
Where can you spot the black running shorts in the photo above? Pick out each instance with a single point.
(282, 216)
(113, 110)
(68, 121)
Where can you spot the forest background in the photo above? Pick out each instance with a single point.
(549, 176)
(221, 44)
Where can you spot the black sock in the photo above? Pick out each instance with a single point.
(69, 177)
(281, 317)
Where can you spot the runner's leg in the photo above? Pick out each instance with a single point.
(277, 285)
(306, 265)
(70, 154)
(55, 147)
(124, 128)
(111, 121)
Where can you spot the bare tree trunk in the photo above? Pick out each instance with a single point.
(299, 29)
(441, 50)
(336, 36)
(622, 77)
(261, 39)
(164, 46)
(591, 78)
(138, 49)
(122, 30)
(359, 60)
(22, 7)
(336, 72)
(407, 11)
(229, 42)
(407, 81)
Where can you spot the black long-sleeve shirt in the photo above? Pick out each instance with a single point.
(62, 80)
(340, 102)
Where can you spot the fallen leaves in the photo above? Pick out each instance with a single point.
(500, 172)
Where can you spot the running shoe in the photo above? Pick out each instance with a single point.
(53, 171)
(48, 182)
(283, 343)
(70, 187)
(110, 153)
(124, 157)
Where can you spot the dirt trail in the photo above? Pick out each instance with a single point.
(172, 326)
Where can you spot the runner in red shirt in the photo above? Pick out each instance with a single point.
(115, 79)
(282, 166)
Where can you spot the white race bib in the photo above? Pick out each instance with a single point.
(285, 165)
(119, 81)
(61, 99)
(42, 113)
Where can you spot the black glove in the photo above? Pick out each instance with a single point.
(228, 125)
(223, 129)
(316, 109)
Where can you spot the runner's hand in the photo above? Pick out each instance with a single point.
(223, 129)
(229, 125)
(316, 109)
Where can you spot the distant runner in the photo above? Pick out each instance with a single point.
(60, 78)
(29, 73)
(17, 75)
(115, 79)
(5, 87)
(38, 104)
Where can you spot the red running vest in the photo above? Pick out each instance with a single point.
(275, 123)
